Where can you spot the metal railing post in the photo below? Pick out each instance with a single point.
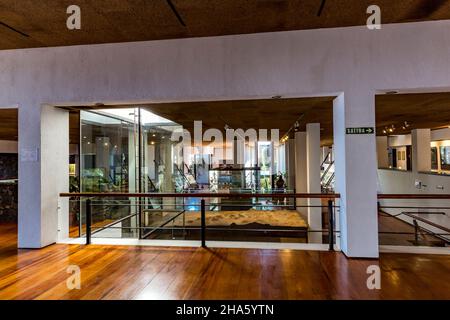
(416, 232)
(295, 199)
(203, 221)
(330, 225)
(88, 220)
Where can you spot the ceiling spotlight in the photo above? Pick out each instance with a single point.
(406, 125)
(384, 131)
(392, 92)
(276, 97)
(152, 143)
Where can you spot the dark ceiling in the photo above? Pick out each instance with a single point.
(8, 124)
(31, 23)
(419, 110)
(267, 114)
(425, 110)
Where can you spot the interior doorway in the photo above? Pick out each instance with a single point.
(413, 139)
(145, 149)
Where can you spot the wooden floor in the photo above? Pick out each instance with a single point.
(121, 272)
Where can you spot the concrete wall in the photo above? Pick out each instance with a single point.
(354, 61)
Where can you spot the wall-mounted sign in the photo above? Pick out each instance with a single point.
(361, 130)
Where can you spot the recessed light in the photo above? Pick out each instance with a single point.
(392, 92)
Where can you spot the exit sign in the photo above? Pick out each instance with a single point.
(361, 130)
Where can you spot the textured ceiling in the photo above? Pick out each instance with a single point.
(429, 110)
(31, 23)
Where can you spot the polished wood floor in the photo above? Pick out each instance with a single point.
(121, 272)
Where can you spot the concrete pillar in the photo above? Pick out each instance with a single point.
(421, 150)
(313, 181)
(301, 177)
(43, 175)
(382, 152)
(356, 173)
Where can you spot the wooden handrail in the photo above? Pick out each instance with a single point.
(203, 195)
(247, 195)
(414, 196)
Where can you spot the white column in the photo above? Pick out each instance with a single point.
(301, 176)
(421, 150)
(382, 152)
(356, 174)
(313, 182)
(43, 175)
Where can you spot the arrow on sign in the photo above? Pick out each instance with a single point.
(361, 130)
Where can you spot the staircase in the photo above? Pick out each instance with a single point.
(328, 175)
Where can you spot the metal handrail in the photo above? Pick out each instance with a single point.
(414, 215)
(325, 160)
(326, 171)
(414, 196)
(329, 197)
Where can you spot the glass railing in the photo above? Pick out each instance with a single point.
(240, 215)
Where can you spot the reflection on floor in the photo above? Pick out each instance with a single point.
(119, 272)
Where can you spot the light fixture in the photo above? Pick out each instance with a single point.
(276, 97)
(153, 135)
(152, 143)
(406, 125)
(392, 92)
